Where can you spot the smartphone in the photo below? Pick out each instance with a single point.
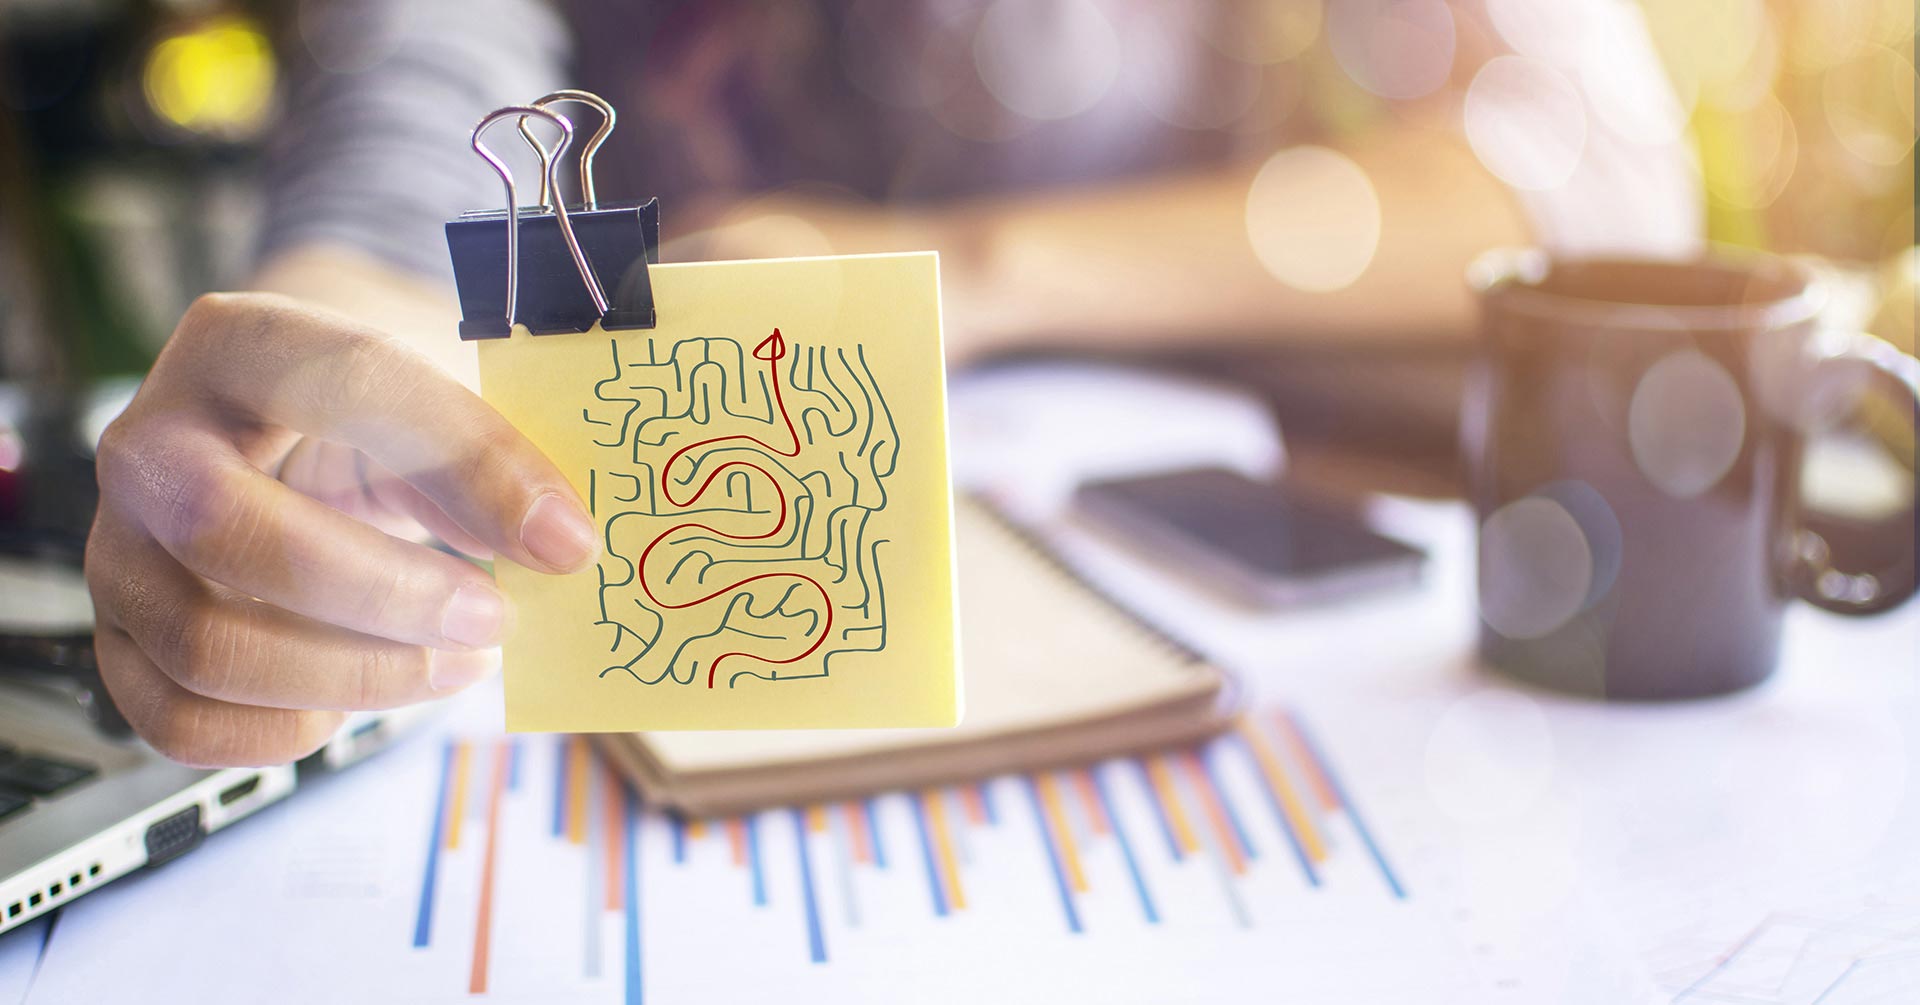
(1260, 544)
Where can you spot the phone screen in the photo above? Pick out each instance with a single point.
(1257, 541)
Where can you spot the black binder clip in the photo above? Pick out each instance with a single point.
(562, 270)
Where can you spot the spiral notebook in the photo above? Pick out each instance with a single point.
(1056, 674)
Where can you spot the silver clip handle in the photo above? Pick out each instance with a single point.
(548, 194)
(549, 166)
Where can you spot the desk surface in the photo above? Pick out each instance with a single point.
(1449, 837)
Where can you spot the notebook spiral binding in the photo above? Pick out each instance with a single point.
(549, 267)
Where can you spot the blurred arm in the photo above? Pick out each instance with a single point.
(372, 158)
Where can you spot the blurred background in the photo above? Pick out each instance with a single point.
(132, 139)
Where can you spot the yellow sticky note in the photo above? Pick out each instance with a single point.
(768, 469)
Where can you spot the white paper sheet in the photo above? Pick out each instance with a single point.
(1754, 848)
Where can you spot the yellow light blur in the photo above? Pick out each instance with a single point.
(1748, 156)
(1313, 218)
(1707, 43)
(216, 79)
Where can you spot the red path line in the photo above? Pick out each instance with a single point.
(483, 928)
(775, 348)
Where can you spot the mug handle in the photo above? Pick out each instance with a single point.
(1813, 577)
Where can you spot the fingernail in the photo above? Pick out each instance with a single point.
(451, 671)
(558, 534)
(474, 616)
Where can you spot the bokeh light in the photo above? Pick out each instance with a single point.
(1397, 49)
(1686, 423)
(1525, 122)
(1182, 85)
(1082, 58)
(1536, 568)
(1869, 104)
(1313, 218)
(215, 79)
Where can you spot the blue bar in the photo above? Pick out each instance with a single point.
(753, 859)
(596, 883)
(1159, 811)
(1205, 757)
(513, 765)
(1286, 825)
(430, 876)
(1353, 811)
(926, 852)
(1126, 846)
(816, 942)
(986, 802)
(679, 824)
(1053, 857)
(873, 834)
(560, 785)
(630, 837)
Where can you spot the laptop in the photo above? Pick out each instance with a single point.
(82, 800)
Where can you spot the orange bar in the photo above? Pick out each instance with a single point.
(1063, 835)
(697, 828)
(943, 847)
(856, 815)
(457, 811)
(1301, 755)
(1216, 813)
(974, 803)
(612, 809)
(1163, 788)
(737, 839)
(579, 764)
(1276, 775)
(1090, 799)
(816, 818)
(483, 927)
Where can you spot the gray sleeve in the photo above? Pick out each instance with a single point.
(372, 147)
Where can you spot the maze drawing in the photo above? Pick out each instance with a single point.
(736, 490)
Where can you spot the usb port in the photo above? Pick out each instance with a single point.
(234, 793)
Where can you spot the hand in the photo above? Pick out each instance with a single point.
(239, 614)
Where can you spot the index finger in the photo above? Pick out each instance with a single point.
(324, 375)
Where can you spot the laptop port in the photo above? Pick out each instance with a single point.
(234, 793)
(174, 836)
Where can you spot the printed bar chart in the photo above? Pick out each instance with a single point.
(1149, 814)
